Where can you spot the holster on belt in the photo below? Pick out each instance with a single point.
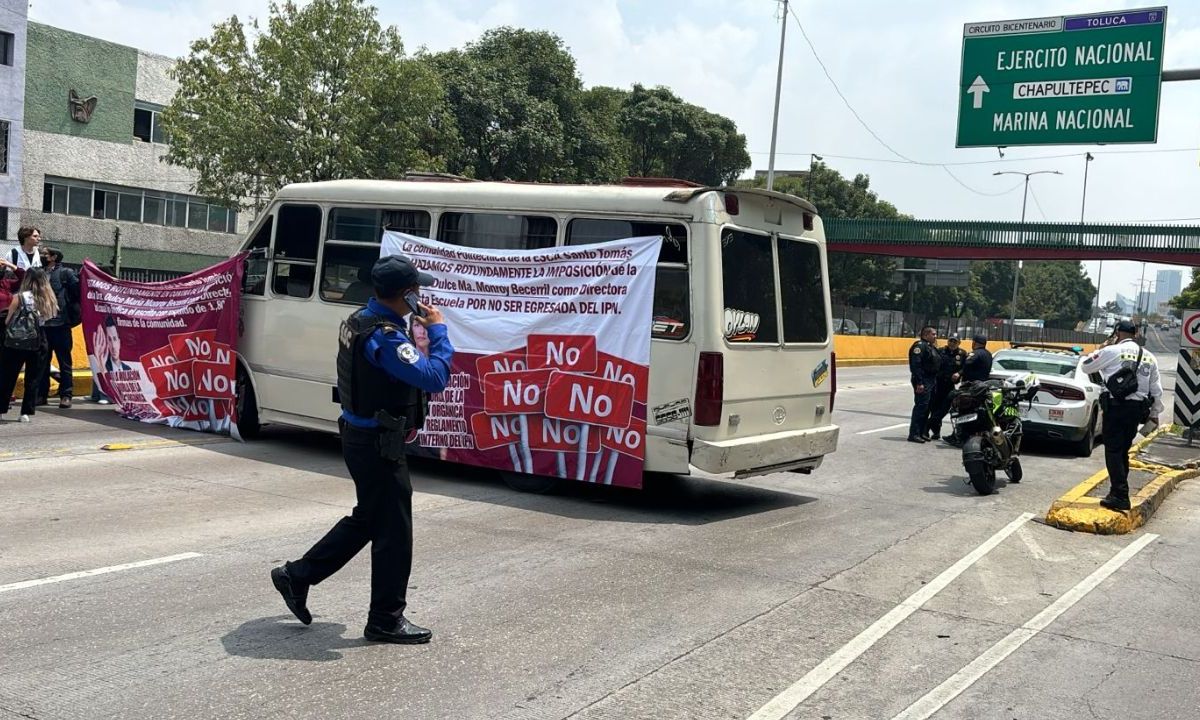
(391, 436)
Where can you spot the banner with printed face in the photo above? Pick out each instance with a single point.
(164, 352)
(552, 356)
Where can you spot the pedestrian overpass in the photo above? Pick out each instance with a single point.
(974, 240)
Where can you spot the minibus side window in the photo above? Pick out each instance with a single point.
(366, 225)
(748, 274)
(346, 273)
(497, 231)
(296, 242)
(672, 299)
(254, 279)
(802, 292)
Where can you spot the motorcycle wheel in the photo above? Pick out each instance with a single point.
(1014, 471)
(979, 470)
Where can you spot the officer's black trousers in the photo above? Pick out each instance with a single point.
(939, 405)
(382, 517)
(920, 413)
(1121, 421)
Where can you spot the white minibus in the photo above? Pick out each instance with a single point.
(741, 325)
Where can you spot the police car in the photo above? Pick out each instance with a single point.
(1066, 409)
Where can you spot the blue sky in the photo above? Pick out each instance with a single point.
(897, 63)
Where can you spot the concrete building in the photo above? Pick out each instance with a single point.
(93, 159)
(12, 112)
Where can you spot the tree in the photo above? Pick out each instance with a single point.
(1058, 292)
(1189, 297)
(671, 138)
(521, 113)
(323, 92)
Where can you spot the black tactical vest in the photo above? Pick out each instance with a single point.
(364, 389)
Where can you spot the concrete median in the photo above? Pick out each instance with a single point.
(1157, 465)
(860, 350)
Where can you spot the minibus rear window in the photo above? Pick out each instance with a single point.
(748, 270)
(802, 292)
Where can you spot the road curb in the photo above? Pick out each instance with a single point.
(1076, 511)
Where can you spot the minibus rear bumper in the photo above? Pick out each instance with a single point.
(761, 454)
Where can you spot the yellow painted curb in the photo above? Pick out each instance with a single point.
(1078, 512)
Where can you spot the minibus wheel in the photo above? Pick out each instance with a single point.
(247, 406)
(523, 482)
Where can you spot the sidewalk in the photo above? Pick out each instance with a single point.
(1157, 465)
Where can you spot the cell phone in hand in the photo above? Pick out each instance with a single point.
(414, 302)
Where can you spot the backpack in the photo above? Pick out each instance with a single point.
(25, 331)
(1124, 382)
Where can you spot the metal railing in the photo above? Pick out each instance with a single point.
(848, 320)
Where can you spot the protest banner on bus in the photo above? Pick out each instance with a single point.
(164, 352)
(552, 356)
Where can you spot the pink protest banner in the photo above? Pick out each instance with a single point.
(164, 352)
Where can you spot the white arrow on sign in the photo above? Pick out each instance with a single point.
(977, 89)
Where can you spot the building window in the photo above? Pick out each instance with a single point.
(147, 123)
(8, 42)
(61, 196)
(3, 223)
(3, 147)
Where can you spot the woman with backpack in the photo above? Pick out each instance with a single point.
(25, 339)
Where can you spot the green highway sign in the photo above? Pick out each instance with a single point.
(1078, 79)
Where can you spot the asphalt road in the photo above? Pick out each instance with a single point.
(880, 586)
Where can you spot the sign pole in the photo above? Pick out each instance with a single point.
(778, 88)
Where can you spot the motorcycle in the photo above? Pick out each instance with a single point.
(986, 418)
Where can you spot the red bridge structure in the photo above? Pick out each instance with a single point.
(981, 240)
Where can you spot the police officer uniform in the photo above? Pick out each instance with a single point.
(923, 364)
(1123, 416)
(977, 366)
(383, 381)
(949, 374)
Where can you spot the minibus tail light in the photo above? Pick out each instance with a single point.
(710, 389)
(832, 381)
(731, 204)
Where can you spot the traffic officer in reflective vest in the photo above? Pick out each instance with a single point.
(383, 381)
(923, 364)
(950, 372)
(1122, 416)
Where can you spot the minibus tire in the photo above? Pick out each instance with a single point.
(526, 483)
(247, 406)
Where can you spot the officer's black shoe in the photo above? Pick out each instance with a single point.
(405, 633)
(294, 593)
(915, 439)
(1116, 504)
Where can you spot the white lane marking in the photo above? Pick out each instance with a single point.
(937, 698)
(789, 699)
(98, 571)
(883, 429)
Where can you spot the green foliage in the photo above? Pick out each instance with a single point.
(1189, 297)
(668, 137)
(323, 92)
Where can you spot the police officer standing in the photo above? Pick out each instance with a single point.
(382, 384)
(977, 366)
(1123, 355)
(950, 372)
(923, 363)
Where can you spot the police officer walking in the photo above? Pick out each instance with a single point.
(1127, 404)
(923, 364)
(950, 372)
(382, 384)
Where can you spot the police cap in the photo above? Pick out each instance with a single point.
(1126, 326)
(394, 273)
(981, 339)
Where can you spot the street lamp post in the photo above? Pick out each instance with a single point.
(778, 91)
(1012, 333)
(1087, 162)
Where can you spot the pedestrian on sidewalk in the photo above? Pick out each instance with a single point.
(1132, 395)
(25, 340)
(923, 364)
(383, 381)
(59, 342)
